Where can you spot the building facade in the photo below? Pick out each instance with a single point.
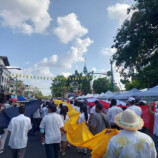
(4, 78)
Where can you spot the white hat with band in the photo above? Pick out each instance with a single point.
(129, 120)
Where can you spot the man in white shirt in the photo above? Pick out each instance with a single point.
(155, 137)
(133, 107)
(130, 143)
(112, 112)
(44, 111)
(51, 127)
(36, 121)
(6, 105)
(19, 127)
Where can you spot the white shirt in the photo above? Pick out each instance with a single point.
(136, 109)
(58, 110)
(92, 110)
(112, 112)
(130, 144)
(156, 124)
(62, 117)
(52, 123)
(72, 105)
(77, 108)
(82, 118)
(6, 106)
(44, 111)
(19, 127)
(37, 114)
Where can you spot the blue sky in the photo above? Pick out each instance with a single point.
(52, 37)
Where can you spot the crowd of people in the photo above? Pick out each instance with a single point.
(49, 120)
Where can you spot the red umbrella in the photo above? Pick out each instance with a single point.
(14, 99)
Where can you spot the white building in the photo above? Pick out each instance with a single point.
(4, 77)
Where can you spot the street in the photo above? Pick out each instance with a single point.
(36, 150)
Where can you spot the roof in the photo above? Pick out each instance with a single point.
(5, 59)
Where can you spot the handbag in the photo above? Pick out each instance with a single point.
(105, 121)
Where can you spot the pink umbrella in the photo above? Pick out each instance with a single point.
(14, 99)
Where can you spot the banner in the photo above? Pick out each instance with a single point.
(52, 78)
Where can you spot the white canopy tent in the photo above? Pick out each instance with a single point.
(115, 94)
(127, 94)
(152, 92)
(107, 95)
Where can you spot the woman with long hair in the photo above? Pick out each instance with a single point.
(63, 113)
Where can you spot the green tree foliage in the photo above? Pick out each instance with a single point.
(137, 45)
(58, 86)
(39, 95)
(74, 83)
(133, 84)
(101, 85)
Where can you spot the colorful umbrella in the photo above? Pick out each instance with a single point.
(14, 99)
(21, 98)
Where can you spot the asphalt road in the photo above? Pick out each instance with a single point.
(36, 150)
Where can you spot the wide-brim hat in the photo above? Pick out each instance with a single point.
(129, 120)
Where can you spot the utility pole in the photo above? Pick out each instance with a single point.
(112, 77)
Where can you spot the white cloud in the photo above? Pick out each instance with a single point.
(103, 70)
(94, 69)
(119, 12)
(38, 71)
(66, 60)
(30, 16)
(69, 28)
(66, 74)
(108, 51)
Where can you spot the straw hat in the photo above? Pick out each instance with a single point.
(129, 120)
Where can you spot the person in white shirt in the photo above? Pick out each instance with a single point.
(133, 107)
(19, 127)
(92, 111)
(6, 105)
(155, 137)
(3, 139)
(64, 117)
(84, 117)
(129, 142)
(76, 106)
(112, 112)
(44, 111)
(71, 103)
(51, 127)
(36, 121)
(59, 108)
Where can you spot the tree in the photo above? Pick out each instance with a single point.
(39, 95)
(74, 82)
(133, 84)
(82, 82)
(58, 86)
(101, 85)
(137, 44)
